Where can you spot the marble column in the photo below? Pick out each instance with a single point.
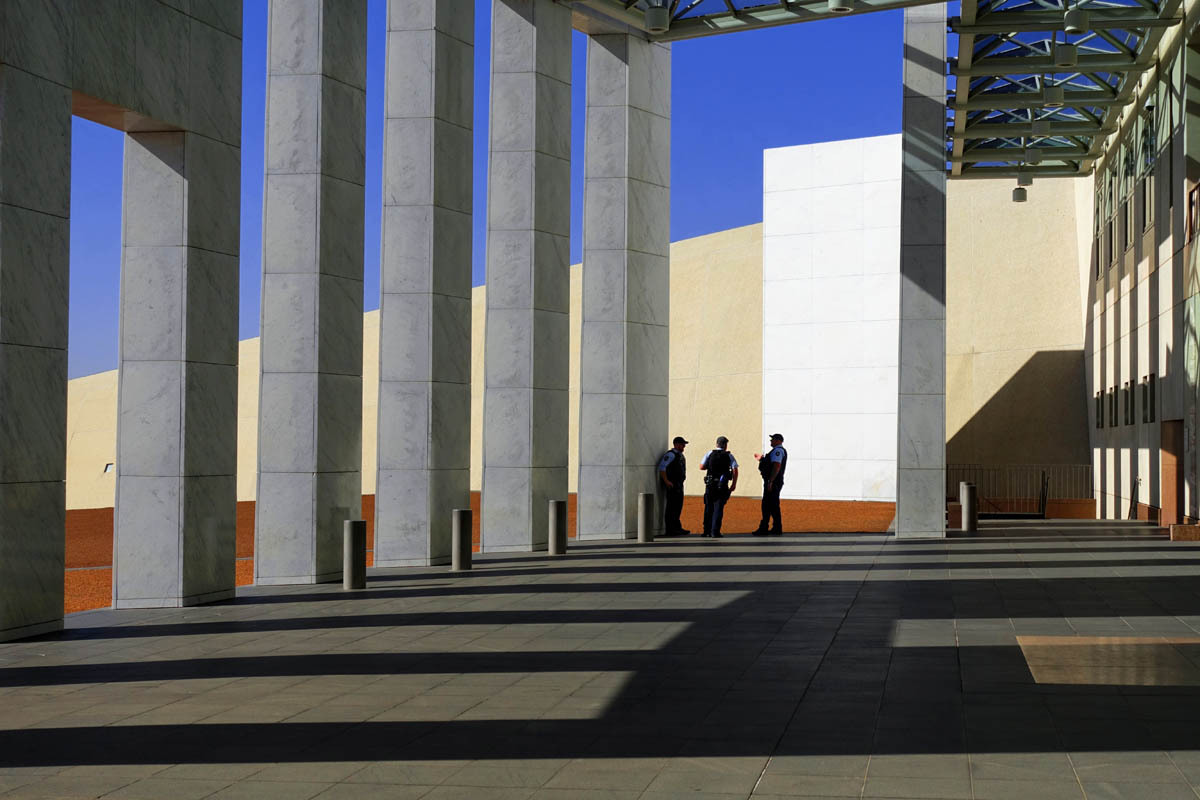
(35, 190)
(528, 279)
(921, 456)
(175, 521)
(424, 429)
(626, 281)
(310, 395)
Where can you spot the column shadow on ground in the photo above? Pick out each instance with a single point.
(789, 666)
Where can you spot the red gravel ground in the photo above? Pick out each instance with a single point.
(88, 579)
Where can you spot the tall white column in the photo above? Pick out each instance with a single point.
(310, 396)
(921, 455)
(35, 192)
(528, 281)
(175, 520)
(424, 442)
(626, 281)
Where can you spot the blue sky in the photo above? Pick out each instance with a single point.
(732, 96)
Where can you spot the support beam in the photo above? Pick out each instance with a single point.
(1084, 99)
(175, 520)
(424, 439)
(986, 130)
(35, 192)
(1018, 154)
(921, 456)
(1039, 21)
(528, 280)
(626, 281)
(1044, 65)
(310, 395)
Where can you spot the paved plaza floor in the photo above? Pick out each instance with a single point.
(1034, 661)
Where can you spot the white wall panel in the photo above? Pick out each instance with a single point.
(831, 265)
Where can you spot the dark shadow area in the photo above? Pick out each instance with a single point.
(799, 664)
(1036, 417)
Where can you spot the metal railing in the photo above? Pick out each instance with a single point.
(1021, 488)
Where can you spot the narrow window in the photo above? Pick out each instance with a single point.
(1145, 398)
(1099, 409)
(1151, 406)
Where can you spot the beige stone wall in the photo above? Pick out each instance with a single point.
(720, 274)
(1015, 388)
(717, 347)
(1015, 370)
(91, 440)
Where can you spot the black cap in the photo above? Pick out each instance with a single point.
(679, 440)
(778, 436)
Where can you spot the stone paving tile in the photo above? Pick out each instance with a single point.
(173, 788)
(1138, 791)
(374, 791)
(270, 790)
(614, 774)
(1021, 789)
(891, 786)
(783, 783)
(678, 670)
(78, 786)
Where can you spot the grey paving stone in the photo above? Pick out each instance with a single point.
(271, 790)
(1111, 790)
(1020, 789)
(174, 788)
(950, 788)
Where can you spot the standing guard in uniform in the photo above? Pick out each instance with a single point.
(719, 483)
(771, 466)
(672, 472)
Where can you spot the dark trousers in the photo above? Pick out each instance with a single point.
(714, 507)
(672, 508)
(770, 508)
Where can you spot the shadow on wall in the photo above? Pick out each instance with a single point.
(1039, 416)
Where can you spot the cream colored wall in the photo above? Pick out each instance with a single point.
(91, 440)
(719, 274)
(716, 348)
(1015, 379)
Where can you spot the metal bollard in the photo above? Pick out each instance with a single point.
(460, 540)
(645, 517)
(968, 500)
(354, 554)
(558, 527)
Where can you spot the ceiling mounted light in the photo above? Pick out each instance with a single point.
(658, 16)
(1066, 55)
(1019, 194)
(1024, 178)
(1076, 21)
(1053, 97)
(1040, 127)
(1032, 156)
(840, 6)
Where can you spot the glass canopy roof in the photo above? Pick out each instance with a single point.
(1036, 86)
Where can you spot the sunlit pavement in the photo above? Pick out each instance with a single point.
(1032, 662)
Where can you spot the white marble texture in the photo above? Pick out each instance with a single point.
(175, 515)
(525, 395)
(831, 266)
(921, 451)
(310, 405)
(624, 351)
(135, 66)
(425, 317)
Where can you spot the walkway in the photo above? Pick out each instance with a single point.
(1030, 663)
